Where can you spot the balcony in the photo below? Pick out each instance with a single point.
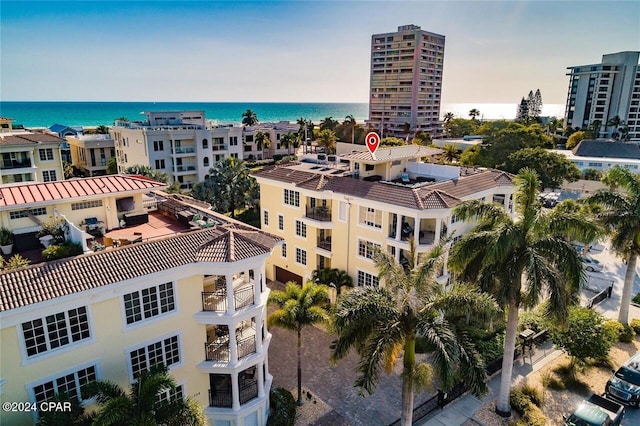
(221, 398)
(218, 350)
(246, 345)
(216, 301)
(184, 150)
(320, 213)
(248, 391)
(15, 164)
(324, 243)
(219, 147)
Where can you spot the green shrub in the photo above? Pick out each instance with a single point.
(614, 327)
(534, 319)
(283, 408)
(550, 381)
(636, 299)
(519, 401)
(534, 416)
(15, 262)
(635, 324)
(627, 334)
(61, 251)
(533, 393)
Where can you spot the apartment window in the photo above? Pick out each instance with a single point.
(454, 218)
(45, 154)
(370, 217)
(595, 165)
(86, 205)
(71, 384)
(165, 351)
(171, 395)
(301, 229)
(205, 162)
(265, 218)
(158, 146)
(284, 250)
(205, 144)
(149, 302)
(54, 331)
(40, 211)
(365, 278)
(292, 198)
(301, 256)
(48, 175)
(367, 249)
(281, 222)
(160, 164)
(233, 141)
(342, 212)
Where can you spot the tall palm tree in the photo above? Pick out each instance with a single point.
(474, 113)
(520, 260)
(327, 138)
(448, 116)
(450, 152)
(297, 308)
(287, 141)
(351, 121)
(328, 123)
(332, 277)
(142, 405)
(594, 128)
(262, 141)
(382, 322)
(621, 216)
(617, 123)
(249, 118)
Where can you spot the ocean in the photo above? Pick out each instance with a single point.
(46, 114)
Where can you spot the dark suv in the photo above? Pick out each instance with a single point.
(624, 384)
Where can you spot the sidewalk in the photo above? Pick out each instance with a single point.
(464, 408)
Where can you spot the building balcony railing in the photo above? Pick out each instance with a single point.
(246, 346)
(243, 296)
(186, 150)
(221, 398)
(319, 213)
(217, 350)
(248, 392)
(324, 243)
(219, 147)
(217, 301)
(15, 164)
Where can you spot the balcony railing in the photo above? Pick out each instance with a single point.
(246, 346)
(15, 164)
(319, 213)
(243, 296)
(221, 398)
(248, 392)
(214, 301)
(186, 150)
(324, 243)
(217, 351)
(219, 148)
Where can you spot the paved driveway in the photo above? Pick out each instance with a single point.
(333, 384)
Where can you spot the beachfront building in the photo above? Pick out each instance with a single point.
(29, 156)
(603, 91)
(275, 132)
(602, 155)
(190, 293)
(90, 153)
(406, 82)
(331, 213)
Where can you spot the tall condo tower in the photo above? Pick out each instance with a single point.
(406, 82)
(604, 91)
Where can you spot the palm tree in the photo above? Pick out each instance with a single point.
(474, 113)
(502, 253)
(332, 277)
(351, 121)
(617, 123)
(262, 141)
(286, 140)
(102, 130)
(297, 308)
(142, 405)
(594, 128)
(553, 125)
(328, 123)
(621, 216)
(381, 322)
(249, 118)
(450, 153)
(327, 138)
(448, 116)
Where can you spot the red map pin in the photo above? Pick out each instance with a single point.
(372, 140)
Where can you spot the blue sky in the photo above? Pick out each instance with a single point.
(303, 51)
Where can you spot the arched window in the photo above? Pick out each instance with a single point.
(205, 144)
(205, 161)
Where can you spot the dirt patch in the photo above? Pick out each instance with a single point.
(313, 408)
(558, 402)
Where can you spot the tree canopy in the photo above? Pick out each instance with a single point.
(576, 138)
(327, 139)
(459, 127)
(249, 118)
(504, 138)
(552, 168)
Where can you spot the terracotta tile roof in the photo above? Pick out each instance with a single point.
(45, 281)
(29, 138)
(383, 155)
(436, 200)
(468, 185)
(12, 196)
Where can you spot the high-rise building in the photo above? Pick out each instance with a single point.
(605, 91)
(406, 82)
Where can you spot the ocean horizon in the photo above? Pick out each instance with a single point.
(95, 113)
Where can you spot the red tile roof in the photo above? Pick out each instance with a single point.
(12, 196)
(29, 139)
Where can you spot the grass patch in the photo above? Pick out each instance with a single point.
(551, 381)
(568, 374)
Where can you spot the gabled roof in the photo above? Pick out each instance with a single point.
(32, 193)
(49, 280)
(384, 155)
(29, 139)
(607, 149)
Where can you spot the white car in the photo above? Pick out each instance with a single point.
(591, 265)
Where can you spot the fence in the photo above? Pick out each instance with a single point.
(599, 297)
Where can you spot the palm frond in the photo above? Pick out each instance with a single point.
(445, 350)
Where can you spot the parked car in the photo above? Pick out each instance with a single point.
(596, 411)
(590, 264)
(624, 384)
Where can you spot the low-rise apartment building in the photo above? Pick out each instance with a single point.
(602, 155)
(29, 156)
(90, 153)
(332, 213)
(194, 300)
